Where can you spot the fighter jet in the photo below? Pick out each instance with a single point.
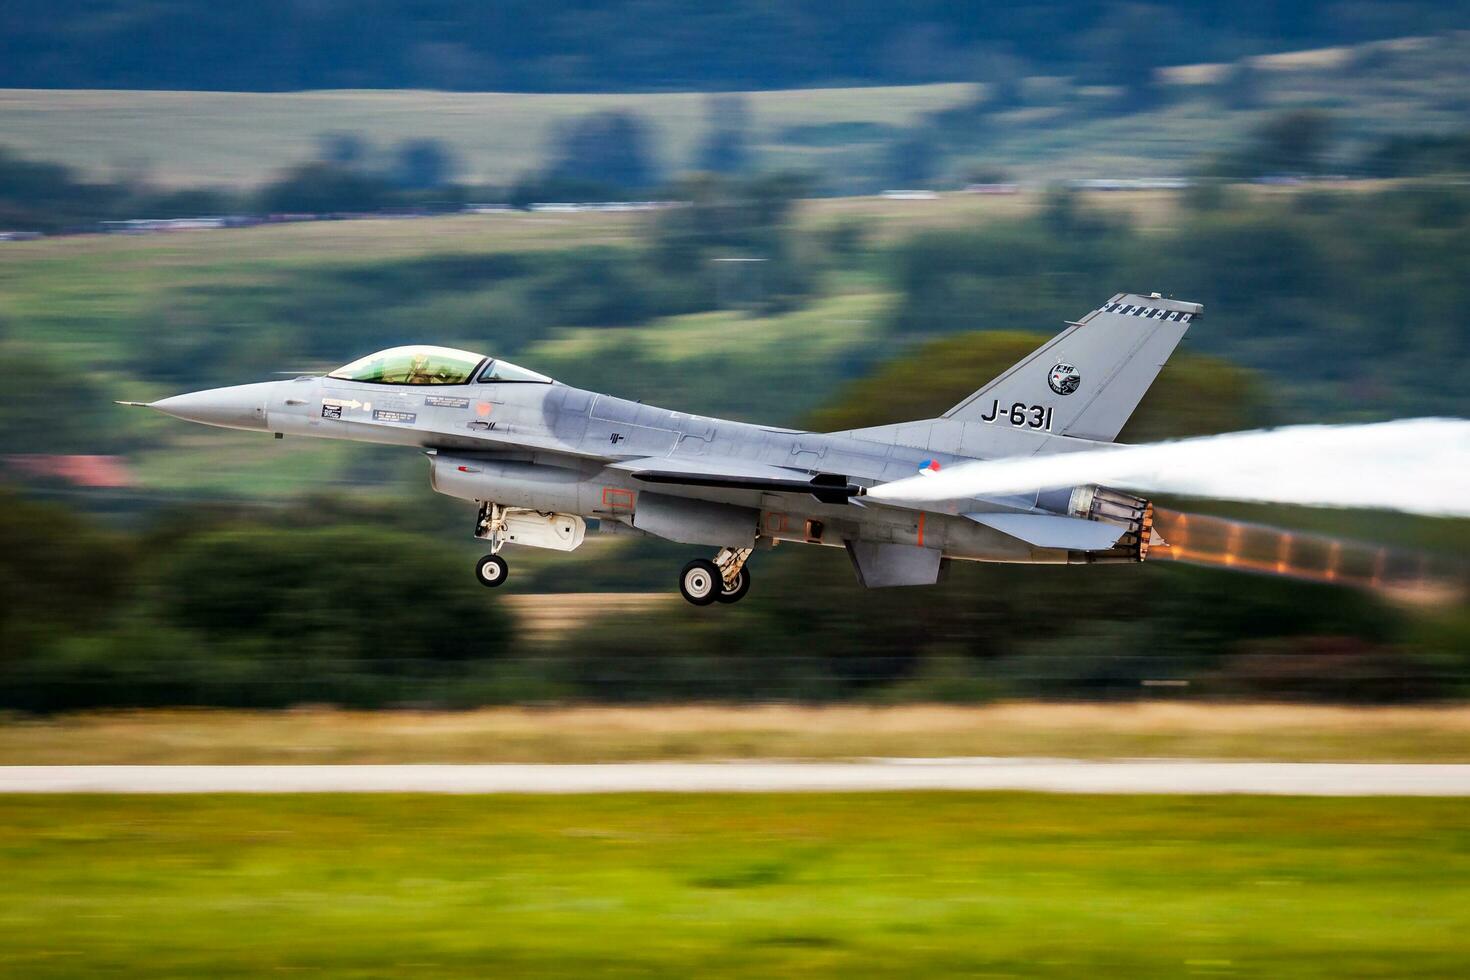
(540, 458)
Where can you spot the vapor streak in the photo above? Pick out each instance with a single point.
(1421, 466)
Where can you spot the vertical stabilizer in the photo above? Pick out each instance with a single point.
(1090, 377)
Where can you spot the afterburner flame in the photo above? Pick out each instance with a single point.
(1202, 539)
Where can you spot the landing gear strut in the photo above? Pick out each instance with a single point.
(726, 579)
(491, 569)
(734, 576)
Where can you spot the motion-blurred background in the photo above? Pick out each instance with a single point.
(789, 213)
(803, 213)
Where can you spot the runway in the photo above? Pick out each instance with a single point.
(871, 775)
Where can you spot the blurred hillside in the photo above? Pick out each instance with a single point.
(1151, 119)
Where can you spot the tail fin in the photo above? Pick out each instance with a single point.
(1090, 377)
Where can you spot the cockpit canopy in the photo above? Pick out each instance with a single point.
(423, 365)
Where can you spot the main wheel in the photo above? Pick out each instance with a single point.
(491, 570)
(700, 581)
(737, 592)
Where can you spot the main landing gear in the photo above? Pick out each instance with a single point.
(726, 579)
(491, 569)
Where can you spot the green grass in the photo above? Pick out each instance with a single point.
(804, 885)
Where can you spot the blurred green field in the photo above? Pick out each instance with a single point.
(795, 885)
(725, 363)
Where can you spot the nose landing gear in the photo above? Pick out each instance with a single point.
(726, 579)
(491, 569)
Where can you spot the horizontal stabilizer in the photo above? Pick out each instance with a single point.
(1049, 531)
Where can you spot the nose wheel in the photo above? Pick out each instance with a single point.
(725, 580)
(492, 571)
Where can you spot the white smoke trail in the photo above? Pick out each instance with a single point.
(1421, 466)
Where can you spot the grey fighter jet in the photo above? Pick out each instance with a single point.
(540, 458)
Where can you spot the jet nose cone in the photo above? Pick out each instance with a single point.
(239, 407)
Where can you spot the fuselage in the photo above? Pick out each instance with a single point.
(555, 448)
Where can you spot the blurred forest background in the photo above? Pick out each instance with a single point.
(1317, 205)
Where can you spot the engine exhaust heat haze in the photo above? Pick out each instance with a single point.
(1419, 466)
(1410, 576)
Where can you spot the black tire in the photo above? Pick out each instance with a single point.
(492, 571)
(699, 582)
(742, 586)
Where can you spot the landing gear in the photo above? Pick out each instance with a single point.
(699, 582)
(491, 570)
(726, 579)
(736, 592)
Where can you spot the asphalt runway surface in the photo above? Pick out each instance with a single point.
(872, 775)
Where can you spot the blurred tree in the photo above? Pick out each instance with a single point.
(1419, 155)
(1003, 74)
(986, 173)
(543, 187)
(1294, 142)
(911, 160)
(1240, 88)
(610, 147)
(1005, 275)
(1127, 47)
(422, 164)
(29, 418)
(59, 574)
(355, 593)
(188, 202)
(344, 149)
(739, 219)
(322, 188)
(39, 196)
(724, 148)
(846, 240)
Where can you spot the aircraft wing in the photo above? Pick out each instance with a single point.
(729, 473)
